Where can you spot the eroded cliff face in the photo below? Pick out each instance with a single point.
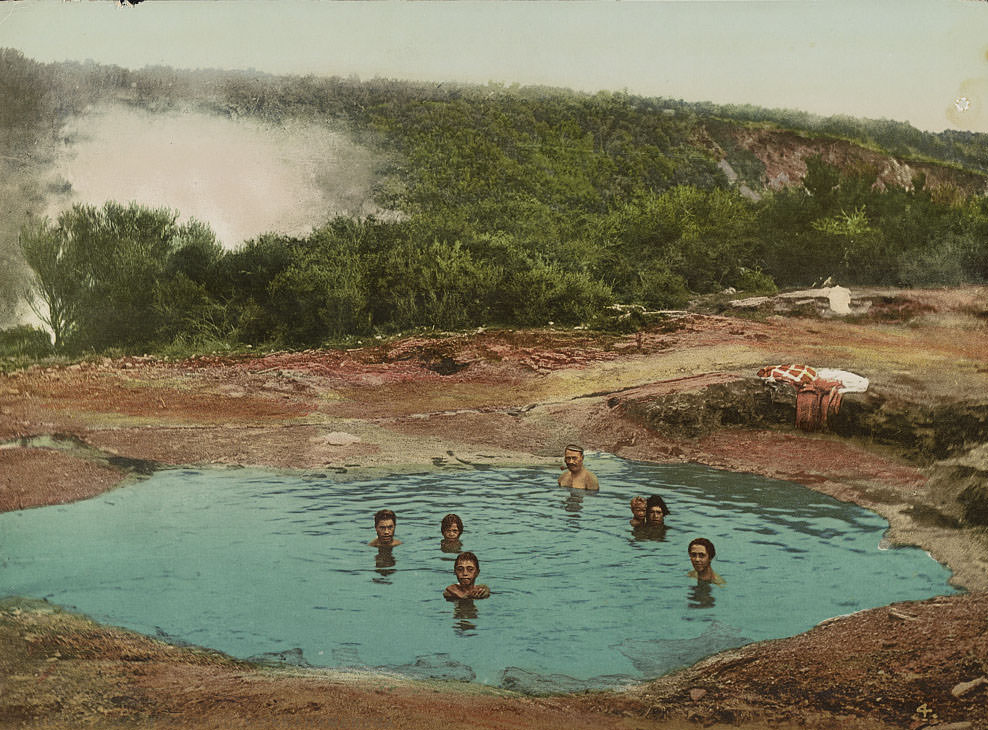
(961, 483)
(699, 412)
(765, 158)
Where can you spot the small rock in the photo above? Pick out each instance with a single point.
(697, 693)
(964, 688)
(893, 613)
(339, 438)
(750, 302)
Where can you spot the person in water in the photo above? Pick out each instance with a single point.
(575, 475)
(637, 511)
(384, 526)
(451, 528)
(655, 511)
(701, 552)
(467, 568)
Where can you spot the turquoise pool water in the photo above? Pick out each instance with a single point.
(255, 563)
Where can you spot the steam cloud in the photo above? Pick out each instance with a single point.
(241, 177)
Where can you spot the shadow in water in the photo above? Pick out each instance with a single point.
(700, 595)
(451, 546)
(464, 611)
(655, 657)
(649, 533)
(573, 504)
(384, 563)
(436, 666)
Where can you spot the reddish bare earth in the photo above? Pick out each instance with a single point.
(684, 391)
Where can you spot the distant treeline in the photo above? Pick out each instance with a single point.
(514, 206)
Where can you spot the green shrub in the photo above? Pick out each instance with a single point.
(25, 341)
(657, 287)
(755, 281)
(547, 293)
(944, 264)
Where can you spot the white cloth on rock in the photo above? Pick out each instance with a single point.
(849, 382)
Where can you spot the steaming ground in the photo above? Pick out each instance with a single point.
(241, 177)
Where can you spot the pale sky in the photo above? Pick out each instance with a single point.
(921, 61)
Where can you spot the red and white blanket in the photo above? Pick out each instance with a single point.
(818, 393)
(794, 374)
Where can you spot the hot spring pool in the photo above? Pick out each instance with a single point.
(256, 563)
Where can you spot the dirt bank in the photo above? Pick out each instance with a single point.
(684, 391)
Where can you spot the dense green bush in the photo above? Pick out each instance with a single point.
(99, 273)
(25, 341)
(946, 261)
(755, 281)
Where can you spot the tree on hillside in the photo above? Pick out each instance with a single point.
(97, 272)
(54, 282)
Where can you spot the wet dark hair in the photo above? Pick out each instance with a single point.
(451, 519)
(655, 501)
(464, 557)
(711, 551)
(384, 514)
(573, 447)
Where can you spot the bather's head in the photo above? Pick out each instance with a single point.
(655, 510)
(638, 508)
(573, 457)
(701, 552)
(384, 524)
(451, 527)
(467, 568)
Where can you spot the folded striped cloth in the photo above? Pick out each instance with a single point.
(794, 374)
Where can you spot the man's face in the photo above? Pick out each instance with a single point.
(655, 516)
(385, 531)
(699, 558)
(573, 459)
(466, 572)
(451, 532)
